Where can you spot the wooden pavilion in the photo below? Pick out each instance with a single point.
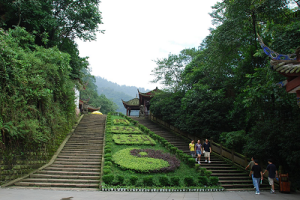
(143, 100)
(288, 66)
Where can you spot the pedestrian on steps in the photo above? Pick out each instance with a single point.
(192, 149)
(272, 174)
(250, 165)
(198, 151)
(207, 150)
(257, 175)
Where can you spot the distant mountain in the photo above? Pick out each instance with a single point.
(116, 92)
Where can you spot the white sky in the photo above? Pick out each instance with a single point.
(139, 31)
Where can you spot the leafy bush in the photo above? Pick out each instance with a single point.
(203, 171)
(125, 130)
(175, 181)
(120, 179)
(202, 180)
(108, 179)
(191, 162)
(108, 163)
(133, 179)
(164, 180)
(234, 140)
(106, 171)
(207, 173)
(189, 181)
(148, 180)
(214, 180)
(133, 139)
(173, 150)
(121, 122)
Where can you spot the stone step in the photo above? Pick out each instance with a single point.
(76, 163)
(38, 184)
(75, 169)
(228, 174)
(224, 171)
(69, 173)
(58, 176)
(74, 166)
(235, 181)
(52, 180)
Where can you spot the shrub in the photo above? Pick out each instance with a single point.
(175, 181)
(214, 180)
(108, 179)
(107, 155)
(120, 179)
(202, 171)
(189, 181)
(106, 171)
(164, 180)
(148, 180)
(108, 159)
(108, 163)
(173, 150)
(107, 167)
(191, 162)
(202, 180)
(198, 168)
(207, 174)
(133, 180)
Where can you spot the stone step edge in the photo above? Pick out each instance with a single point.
(52, 159)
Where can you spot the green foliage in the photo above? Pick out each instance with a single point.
(202, 180)
(125, 130)
(108, 179)
(164, 180)
(133, 139)
(148, 180)
(191, 162)
(234, 140)
(213, 180)
(106, 171)
(133, 179)
(175, 181)
(189, 181)
(140, 164)
(120, 179)
(121, 122)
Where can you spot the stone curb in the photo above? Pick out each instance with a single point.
(50, 162)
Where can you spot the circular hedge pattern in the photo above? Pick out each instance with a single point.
(145, 160)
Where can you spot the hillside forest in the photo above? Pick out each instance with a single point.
(40, 68)
(225, 90)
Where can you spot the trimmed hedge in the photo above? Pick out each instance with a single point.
(121, 122)
(164, 180)
(133, 139)
(148, 180)
(108, 179)
(125, 130)
(202, 180)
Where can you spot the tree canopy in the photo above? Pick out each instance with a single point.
(228, 92)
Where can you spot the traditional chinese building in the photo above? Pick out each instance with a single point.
(142, 103)
(288, 66)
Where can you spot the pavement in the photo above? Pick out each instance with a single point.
(50, 194)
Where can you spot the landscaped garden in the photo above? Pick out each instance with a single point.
(137, 159)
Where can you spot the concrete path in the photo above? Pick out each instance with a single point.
(43, 194)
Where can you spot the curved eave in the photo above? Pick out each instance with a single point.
(285, 68)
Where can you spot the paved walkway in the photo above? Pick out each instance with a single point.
(43, 194)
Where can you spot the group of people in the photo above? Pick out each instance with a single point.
(197, 150)
(257, 174)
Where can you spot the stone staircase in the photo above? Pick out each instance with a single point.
(230, 177)
(78, 164)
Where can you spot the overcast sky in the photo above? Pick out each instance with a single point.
(139, 31)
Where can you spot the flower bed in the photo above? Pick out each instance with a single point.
(121, 122)
(133, 139)
(125, 130)
(145, 160)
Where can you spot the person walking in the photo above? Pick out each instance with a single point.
(271, 168)
(250, 165)
(207, 150)
(198, 151)
(192, 149)
(257, 175)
